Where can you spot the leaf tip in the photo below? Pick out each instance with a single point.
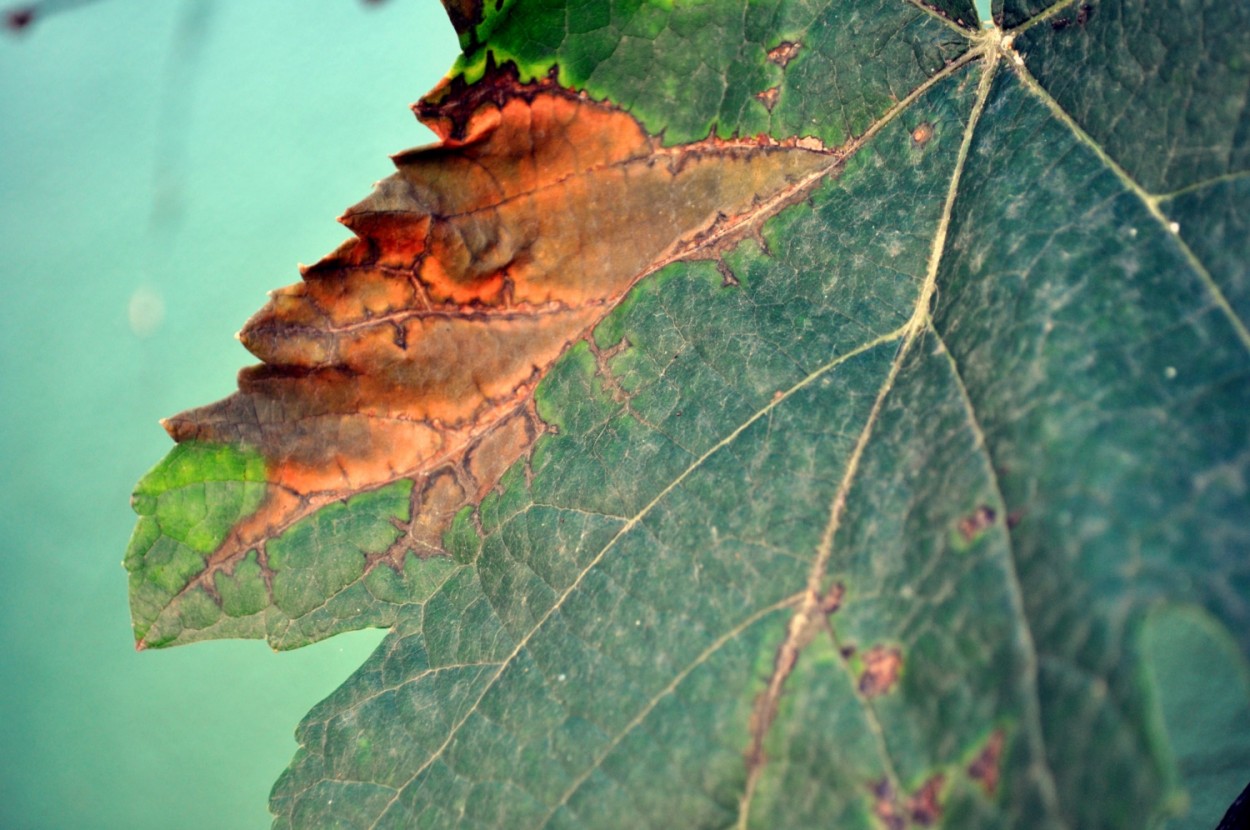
(143, 504)
(173, 427)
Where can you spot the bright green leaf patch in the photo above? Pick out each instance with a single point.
(186, 505)
(197, 493)
(1201, 689)
(321, 576)
(687, 70)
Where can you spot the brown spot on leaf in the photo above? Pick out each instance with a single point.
(784, 52)
(885, 806)
(1083, 14)
(974, 523)
(434, 501)
(984, 768)
(768, 97)
(416, 346)
(881, 668)
(922, 135)
(494, 453)
(603, 369)
(832, 599)
(924, 806)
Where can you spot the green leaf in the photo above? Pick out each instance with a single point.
(899, 479)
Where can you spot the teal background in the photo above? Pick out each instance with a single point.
(183, 155)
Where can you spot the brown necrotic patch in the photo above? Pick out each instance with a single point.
(768, 97)
(984, 768)
(881, 669)
(413, 350)
(831, 600)
(885, 806)
(924, 807)
(784, 52)
(972, 525)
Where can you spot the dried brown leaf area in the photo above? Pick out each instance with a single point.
(413, 350)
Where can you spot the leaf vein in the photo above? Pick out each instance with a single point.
(1149, 201)
(669, 689)
(1033, 716)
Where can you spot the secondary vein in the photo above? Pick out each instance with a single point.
(810, 615)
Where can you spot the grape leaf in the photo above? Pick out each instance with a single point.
(766, 414)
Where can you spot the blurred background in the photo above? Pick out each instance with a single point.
(162, 165)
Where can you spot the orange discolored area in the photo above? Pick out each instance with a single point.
(415, 347)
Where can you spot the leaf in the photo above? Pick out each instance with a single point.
(764, 414)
